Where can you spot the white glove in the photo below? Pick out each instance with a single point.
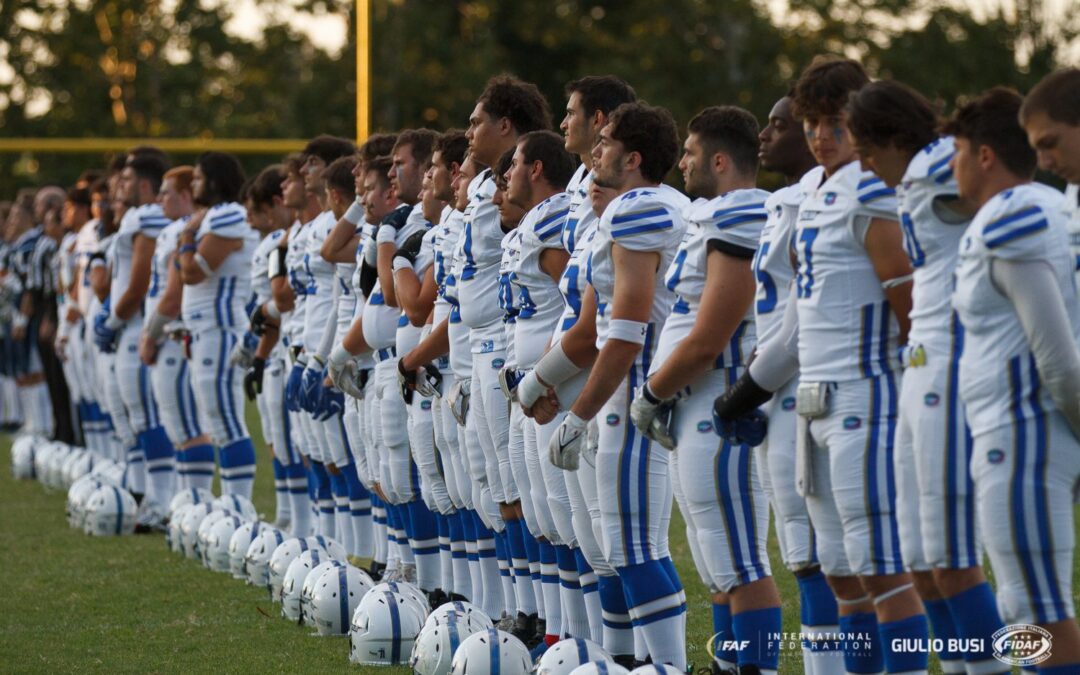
(458, 399)
(567, 442)
(509, 379)
(241, 356)
(651, 415)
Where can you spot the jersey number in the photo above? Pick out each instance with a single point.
(765, 282)
(805, 284)
(911, 243)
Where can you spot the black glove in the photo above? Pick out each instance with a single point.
(407, 381)
(257, 319)
(740, 398)
(253, 379)
(411, 248)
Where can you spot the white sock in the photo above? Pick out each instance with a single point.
(363, 540)
(574, 618)
(343, 523)
(300, 506)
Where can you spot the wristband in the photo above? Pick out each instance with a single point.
(187, 248)
(401, 263)
(270, 309)
(648, 395)
(896, 281)
(355, 213)
(113, 322)
(627, 331)
(155, 326)
(203, 265)
(555, 367)
(387, 234)
(339, 356)
(276, 266)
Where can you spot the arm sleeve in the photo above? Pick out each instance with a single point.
(778, 360)
(1036, 297)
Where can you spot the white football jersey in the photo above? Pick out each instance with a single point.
(219, 300)
(643, 219)
(478, 255)
(773, 268)
(260, 265)
(457, 331)
(408, 335)
(298, 280)
(577, 237)
(381, 320)
(998, 379)
(931, 244)
(147, 220)
(847, 330)
(1072, 213)
(322, 277)
(734, 222)
(509, 302)
(86, 244)
(540, 302)
(164, 246)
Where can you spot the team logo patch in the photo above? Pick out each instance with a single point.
(425, 405)
(830, 198)
(932, 399)
(208, 362)
(995, 456)
(788, 403)
(852, 423)
(612, 420)
(1021, 644)
(170, 361)
(133, 348)
(487, 346)
(704, 427)
(498, 363)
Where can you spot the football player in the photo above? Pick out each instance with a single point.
(1020, 369)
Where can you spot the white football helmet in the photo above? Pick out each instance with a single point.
(78, 493)
(439, 639)
(238, 546)
(239, 505)
(103, 466)
(333, 549)
(565, 655)
(384, 629)
(174, 537)
(216, 553)
(286, 552)
(189, 528)
(492, 652)
(67, 467)
(460, 608)
(293, 585)
(411, 592)
(202, 536)
(307, 589)
(600, 668)
(115, 472)
(110, 510)
(189, 496)
(337, 593)
(54, 465)
(656, 669)
(22, 457)
(258, 555)
(43, 454)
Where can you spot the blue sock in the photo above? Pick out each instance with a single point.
(425, 545)
(585, 571)
(618, 636)
(657, 606)
(862, 643)
(723, 636)
(519, 557)
(199, 465)
(917, 632)
(817, 604)
(281, 485)
(238, 467)
(975, 615)
(761, 628)
(941, 621)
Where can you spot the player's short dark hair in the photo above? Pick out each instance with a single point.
(328, 148)
(421, 143)
(731, 130)
(339, 176)
(79, 196)
(453, 146)
(1057, 96)
(148, 166)
(376, 145)
(601, 92)
(548, 148)
(649, 131)
(116, 164)
(518, 101)
(292, 163)
(824, 87)
(887, 113)
(381, 167)
(267, 185)
(502, 165)
(224, 177)
(88, 176)
(993, 120)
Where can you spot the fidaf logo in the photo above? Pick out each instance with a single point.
(1021, 645)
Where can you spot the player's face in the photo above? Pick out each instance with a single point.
(782, 139)
(1057, 146)
(509, 213)
(259, 217)
(965, 166)
(378, 197)
(198, 184)
(358, 176)
(429, 200)
(312, 171)
(609, 161)
(174, 203)
(441, 178)
(483, 135)
(576, 126)
(292, 190)
(405, 174)
(601, 197)
(518, 187)
(99, 204)
(461, 184)
(888, 163)
(696, 167)
(128, 186)
(829, 141)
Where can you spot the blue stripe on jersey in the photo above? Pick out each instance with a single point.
(639, 215)
(570, 230)
(1017, 233)
(940, 164)
(153, 223)
(943, 177)
(638, 229)
(744, 218)
(229, 301)
(867, 182)
(876, 194)
(226, 221)
(1011, 218)
(883, 338)
(377, 299)
(550, 226)
(736, 209)
(217, 300)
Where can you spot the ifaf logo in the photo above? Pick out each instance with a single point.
(1021, 645)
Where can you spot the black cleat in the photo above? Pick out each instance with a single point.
(525, 629)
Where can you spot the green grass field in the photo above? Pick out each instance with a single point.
(76, 603)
